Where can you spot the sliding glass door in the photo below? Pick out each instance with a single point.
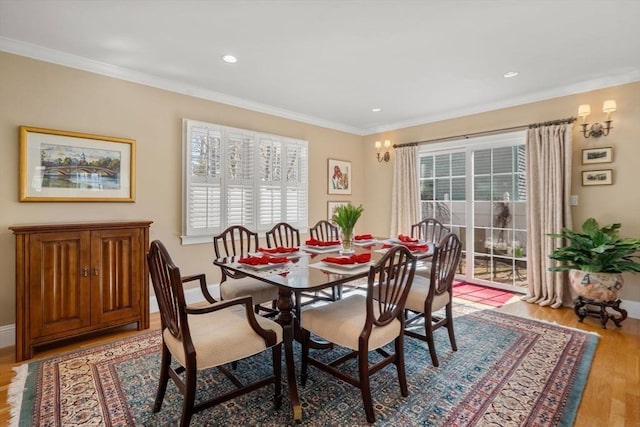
(477, 188)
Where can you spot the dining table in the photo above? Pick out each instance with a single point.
(309, 269)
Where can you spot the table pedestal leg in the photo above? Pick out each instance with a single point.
(285, 319)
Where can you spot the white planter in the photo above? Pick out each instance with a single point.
(596, 286)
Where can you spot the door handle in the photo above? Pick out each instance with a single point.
(95, 271)
(85, 271)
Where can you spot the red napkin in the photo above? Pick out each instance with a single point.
(279, 250)
(262, 260)
(316, 242)
(363, 237)
(406, 239)
(353, 259)
(412, 247)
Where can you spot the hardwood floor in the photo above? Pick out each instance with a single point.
(611, 397)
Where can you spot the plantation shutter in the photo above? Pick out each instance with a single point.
(239, 177)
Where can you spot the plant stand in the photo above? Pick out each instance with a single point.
(583, 307)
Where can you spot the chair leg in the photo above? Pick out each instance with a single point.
(399, 362)
(304, 365)
(298, 306)
(452, 337)
(165, 365)
(365, 386)
(428, 333)
(189, 395)
(276, 354)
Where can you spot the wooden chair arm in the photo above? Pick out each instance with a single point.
(202, 278)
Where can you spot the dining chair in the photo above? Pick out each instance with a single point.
(429, 230)
(324, 231)
(238, 241)
(435, 293)
(202, 337)
(365, 323)
(283, 234)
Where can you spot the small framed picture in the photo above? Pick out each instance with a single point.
(597, 177)
(597, 155)
(331, 208)
(339, 177)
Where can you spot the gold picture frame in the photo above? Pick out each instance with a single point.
(597, 177)
(62, 166)
(597, 155)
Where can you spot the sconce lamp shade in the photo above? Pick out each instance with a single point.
(387, 143)
(378, 145)
(609, 106)
(584, 110)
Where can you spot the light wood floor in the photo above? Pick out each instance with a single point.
(611, 397)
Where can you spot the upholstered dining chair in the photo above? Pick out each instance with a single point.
(197, 338)
(239, 241)
(429, 230)
(364, 323)
(324, 231)
(283, 234)
(429, 295)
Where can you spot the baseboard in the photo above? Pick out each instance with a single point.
(8, 332)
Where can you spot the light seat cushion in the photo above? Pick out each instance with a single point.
(341, 322)
(259, 291)
(418, 295)
(221, 337)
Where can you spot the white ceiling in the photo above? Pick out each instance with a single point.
(330, 62)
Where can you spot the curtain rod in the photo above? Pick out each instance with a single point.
(489, 132)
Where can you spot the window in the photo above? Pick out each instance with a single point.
(240, 177)
(477, 188)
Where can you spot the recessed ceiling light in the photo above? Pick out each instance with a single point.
(509, 74)
(230, 59)
(376, 109)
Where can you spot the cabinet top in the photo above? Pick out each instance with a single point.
(59, 226)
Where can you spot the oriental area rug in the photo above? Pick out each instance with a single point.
(508, 371)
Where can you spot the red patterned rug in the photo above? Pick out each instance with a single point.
(508, 371)
(482, 294)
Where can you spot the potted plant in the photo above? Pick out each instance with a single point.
(345, 217)
(595, 259)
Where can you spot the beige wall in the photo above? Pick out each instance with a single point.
(619, 202)
(36, 93)
(40, 94)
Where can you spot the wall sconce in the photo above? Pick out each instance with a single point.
(596, 130)
(386, 155)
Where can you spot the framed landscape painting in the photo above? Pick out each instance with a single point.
(339, 177)
(61, 166)
(597, 155)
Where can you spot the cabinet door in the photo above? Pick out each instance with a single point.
(117, 269)
(59, 282)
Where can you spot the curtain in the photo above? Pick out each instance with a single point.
(548, 187)
(405, 197)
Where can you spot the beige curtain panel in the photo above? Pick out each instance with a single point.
(405, 197)
(548, 188)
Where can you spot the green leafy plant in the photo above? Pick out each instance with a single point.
(346, 216)
(597, 250)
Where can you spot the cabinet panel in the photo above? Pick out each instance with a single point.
(59, 282)
(116, 256)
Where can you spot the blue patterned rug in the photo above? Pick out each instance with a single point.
(508, 371)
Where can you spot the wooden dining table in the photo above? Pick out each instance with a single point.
(306, 272)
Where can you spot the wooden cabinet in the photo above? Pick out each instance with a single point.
(73, 279)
